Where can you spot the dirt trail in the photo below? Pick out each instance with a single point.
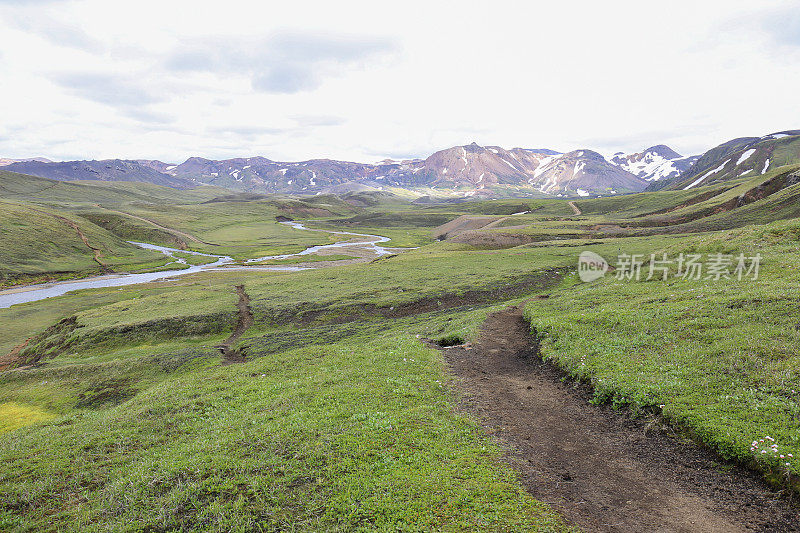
(95, 251)
(495, 223)
(74, 225)
(575, 208)
(159, 226)
(602, 470)
(12, 358)
(243, 323)
(465, 223)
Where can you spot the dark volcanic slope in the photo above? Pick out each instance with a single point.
(106, 170)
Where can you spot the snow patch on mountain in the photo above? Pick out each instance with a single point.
(745, 156)
(656, 163)
(707, 174)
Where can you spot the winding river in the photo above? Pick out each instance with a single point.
(32, 293)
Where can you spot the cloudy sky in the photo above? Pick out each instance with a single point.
(368, 80)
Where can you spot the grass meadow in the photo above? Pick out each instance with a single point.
(121, 410)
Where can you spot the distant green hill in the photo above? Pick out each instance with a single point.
(14, 185)
(120, 411)
(43, 224)
(43, 241)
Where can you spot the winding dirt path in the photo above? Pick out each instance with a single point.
(74, 225)
(602, 470)
(472, 223)
(461, 224)
(12, 358)
(495, 223)
(575, 208)
(243, 323)
(95, 251)
(159, 226)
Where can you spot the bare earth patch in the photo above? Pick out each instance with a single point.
(598, 467)
(243, 323)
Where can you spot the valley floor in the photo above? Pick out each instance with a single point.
(319, 400)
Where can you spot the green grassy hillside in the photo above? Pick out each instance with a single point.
(208, 219)
(118, 407)
(41, 241)
(718, 357)
(32, 188)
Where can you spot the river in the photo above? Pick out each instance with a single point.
(32, 293)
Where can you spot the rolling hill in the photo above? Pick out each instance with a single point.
(14, 185)
(332, 398)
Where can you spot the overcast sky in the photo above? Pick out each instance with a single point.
(362, 81)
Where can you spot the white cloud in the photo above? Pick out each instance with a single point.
(172, 79)
(284, 62)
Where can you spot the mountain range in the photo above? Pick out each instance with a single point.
(461, 171)
(469, 170)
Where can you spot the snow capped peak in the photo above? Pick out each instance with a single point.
(664, 151)
(656, 163)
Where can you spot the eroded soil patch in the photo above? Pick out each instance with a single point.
(599, 468)
(12, 358)
(243, 323)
